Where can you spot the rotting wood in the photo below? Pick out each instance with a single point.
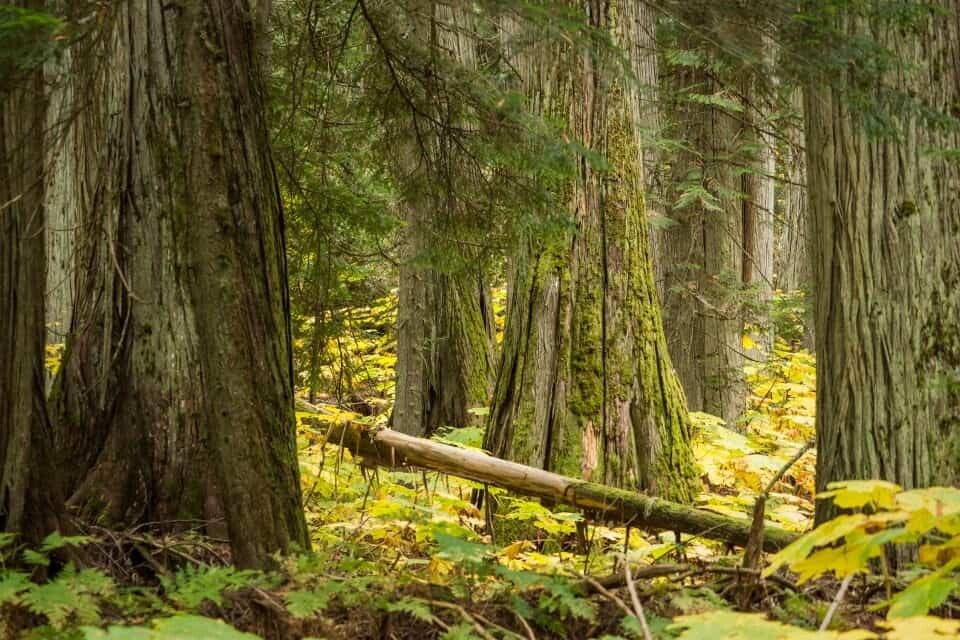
(385, 447)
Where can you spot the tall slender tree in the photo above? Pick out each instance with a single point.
(793, 272)
(759, 185)
(886, 258)
(175, 397)
(585, 386)
(717, 259)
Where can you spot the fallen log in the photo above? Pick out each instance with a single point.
(388, 448)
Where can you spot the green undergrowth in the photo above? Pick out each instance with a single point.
(408, 554)
(399, 554)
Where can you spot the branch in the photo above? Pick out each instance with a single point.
(385, 447)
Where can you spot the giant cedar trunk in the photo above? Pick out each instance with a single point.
(175, 399)
(886, 215)
(585, 385)
(645, 97)
(702, 254)
(444, 349)
(28, 496)
(61, 210)
(444, 323)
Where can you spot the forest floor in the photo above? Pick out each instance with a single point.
(406, 554)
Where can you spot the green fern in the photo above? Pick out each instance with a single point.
(12, 585)
(73, 597)
(175, 628)
(303, 604)
(411, 606)
(191, 586)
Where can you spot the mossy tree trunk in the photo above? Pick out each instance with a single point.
(886, 216)
(645, 99)
(445, 350)
(585, 386)
(175, 398)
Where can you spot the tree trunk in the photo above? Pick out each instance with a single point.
(28, 498)
(641, 19)
(175, 399)
(388, 448)
(585, 386)
(794, 271)
(702, 254)
(444, 349)
(445, 353)
(61, 211)
(759, 201)
(886, 214)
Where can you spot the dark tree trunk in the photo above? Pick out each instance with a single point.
(28, 495)
(585, 386)
(175, 400)
(886, 215)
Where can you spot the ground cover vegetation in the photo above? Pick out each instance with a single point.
(400, 318)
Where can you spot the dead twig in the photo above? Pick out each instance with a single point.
(469, 618)
(636, 600)
(753, 552)
(614, 598)
(836, 602)
(530, 634)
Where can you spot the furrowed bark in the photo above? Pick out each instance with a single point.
(794, 272)
(175, 399)
(585, 386)
(759, 202)
(445, 350)
(701, 255)
(886, 215)
(389, 448)
(29, 496)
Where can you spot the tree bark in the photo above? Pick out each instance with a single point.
(759, 199)
(444, 350)
(28, 493)
(175, 399)
(445, 355)
(61, 211)
(794, 271)
(585, 385)
(886, 214)
(641, 19)
(702, 254)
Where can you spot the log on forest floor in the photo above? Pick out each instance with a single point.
(385, 447)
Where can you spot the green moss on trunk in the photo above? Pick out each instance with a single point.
(586, 387)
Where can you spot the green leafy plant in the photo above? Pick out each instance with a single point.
(186, 627)
(193, 585)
